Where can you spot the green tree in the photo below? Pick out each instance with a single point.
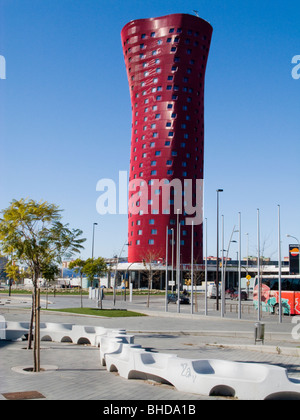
(77, 265)
(94, 268)
(32, 233)
(49, 272)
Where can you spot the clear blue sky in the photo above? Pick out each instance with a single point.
(65, 114)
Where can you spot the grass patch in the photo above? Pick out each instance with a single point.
(111, 313)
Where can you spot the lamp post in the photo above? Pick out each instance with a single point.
(258, 266)
(279, 266)
(166, 285)
(217, 271)
(172, 272)
(240, 266)
(178, 263)
(206, 267)
(223, 303)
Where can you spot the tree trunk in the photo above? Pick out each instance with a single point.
(81, 291)
(36, 344)
(31, 324)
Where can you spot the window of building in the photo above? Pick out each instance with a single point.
(154, 232)
(151, 222)
(151, 242)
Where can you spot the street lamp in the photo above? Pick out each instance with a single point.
(217, 271)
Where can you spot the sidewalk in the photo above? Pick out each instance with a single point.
(80, 376)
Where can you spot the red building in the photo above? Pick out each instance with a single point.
(166, 60)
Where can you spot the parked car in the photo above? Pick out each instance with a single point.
(173, 297)
(234, 294)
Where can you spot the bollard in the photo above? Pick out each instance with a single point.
(259, 332)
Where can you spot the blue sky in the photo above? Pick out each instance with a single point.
(65, 114)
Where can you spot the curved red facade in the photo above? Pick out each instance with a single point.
(166, 60)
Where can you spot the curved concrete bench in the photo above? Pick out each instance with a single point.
(198, 376)
(110, 345)
(246, 381)
(78, 334)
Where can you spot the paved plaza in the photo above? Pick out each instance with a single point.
(74, 371)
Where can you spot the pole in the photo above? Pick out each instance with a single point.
(205, 266)
(258, 266)
(217, 271)
(192, 270)
(166, 298)
(217, 268)
(222, 278)
(172, 272)
(240, 266)
(179, 273)
(279, 266)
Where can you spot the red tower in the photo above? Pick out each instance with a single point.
(166, 60)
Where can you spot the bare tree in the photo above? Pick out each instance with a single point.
(150, 261)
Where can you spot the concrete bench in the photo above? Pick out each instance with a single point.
(2, 328)
(110, 345)
(56, 332)
(246, 381)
